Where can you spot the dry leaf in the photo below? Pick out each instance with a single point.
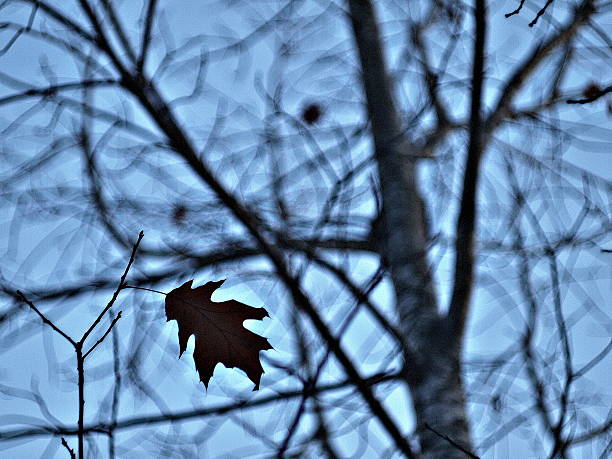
(220, 336)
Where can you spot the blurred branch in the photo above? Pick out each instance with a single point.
(431, 79)
(55, 89)
(277, 188)
(19, 31)
(502, 107)
(596, 94)
(118, 29)
(198, 413)
(158, 109)
(146, 36)
(62, 19)
(463, 278)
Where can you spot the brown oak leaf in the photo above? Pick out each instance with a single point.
(220, 336)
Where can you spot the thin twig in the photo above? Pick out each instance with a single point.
(452, 442)
(120, 287)
(540, 13)
(108, 330)
(146, 289)
(528, 66)
(78, 347)
(44, 319)
(516, 11)
(70, 450)
(81, 384)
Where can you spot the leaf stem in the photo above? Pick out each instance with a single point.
(144, 288)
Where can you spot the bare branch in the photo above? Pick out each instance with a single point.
(44, 318)
(516, 81)
(54, 89)
(197, 413)
(68, 448)
(108, 330)
(598, 93)
(120, 287)
(540, 13)
(466, 221)
(517, 10)
(145, 42)
(452, 442)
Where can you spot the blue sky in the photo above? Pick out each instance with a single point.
(52, 250)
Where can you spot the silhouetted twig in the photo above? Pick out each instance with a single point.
(540, 13)
(79, 345)
(517, 10)
(452, 442)
(70, 450)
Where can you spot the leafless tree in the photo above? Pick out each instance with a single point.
(402, 184)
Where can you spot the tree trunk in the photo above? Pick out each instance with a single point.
(432, 357)
(439, 403)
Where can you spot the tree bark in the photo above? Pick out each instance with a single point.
(432, 356)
